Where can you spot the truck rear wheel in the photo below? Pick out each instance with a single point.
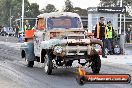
(96, 64)
(48, 66)
(30, 63)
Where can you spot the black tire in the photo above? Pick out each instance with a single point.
(3, 34)
(30, 64)
(48, 66)
(96, 64)
(69, 63)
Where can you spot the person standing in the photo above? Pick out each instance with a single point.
(27, 26)
(100, 33)
(110, 34)
(128, 33)
(17, 31)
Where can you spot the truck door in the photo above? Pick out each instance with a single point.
(38, 36)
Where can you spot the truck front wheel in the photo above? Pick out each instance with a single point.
(48, 65)
(30, 63)
(96, 64)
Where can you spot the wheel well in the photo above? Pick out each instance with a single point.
(43, 53)
(23, 54)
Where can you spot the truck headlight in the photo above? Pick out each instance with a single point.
(58, 49)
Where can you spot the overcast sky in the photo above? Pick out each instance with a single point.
(59, 4)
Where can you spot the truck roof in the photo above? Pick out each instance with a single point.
(57, 14)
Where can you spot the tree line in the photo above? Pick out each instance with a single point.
(13, 8)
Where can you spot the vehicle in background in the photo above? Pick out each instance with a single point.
(7, 31)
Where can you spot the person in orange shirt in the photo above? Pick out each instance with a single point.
(101, 33)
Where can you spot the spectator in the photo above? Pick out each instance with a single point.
(110, 34)
(100, 33)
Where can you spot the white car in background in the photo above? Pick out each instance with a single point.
(7, 31)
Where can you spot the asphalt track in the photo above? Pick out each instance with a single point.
(13, 67)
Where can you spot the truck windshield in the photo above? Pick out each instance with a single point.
(63, 22)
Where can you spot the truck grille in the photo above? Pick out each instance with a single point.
(76, 50)
(76, 37)
(74, 44)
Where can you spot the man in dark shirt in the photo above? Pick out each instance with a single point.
(100, 33)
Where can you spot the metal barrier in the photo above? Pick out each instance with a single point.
(122, 42)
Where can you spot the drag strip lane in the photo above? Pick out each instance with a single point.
(15, 69)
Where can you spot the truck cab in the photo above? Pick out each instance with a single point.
(50, 25)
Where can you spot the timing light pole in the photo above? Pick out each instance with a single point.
(120, 17)
(22, 29)
(122, 37)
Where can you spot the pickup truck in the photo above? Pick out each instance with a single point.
(58, 41)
